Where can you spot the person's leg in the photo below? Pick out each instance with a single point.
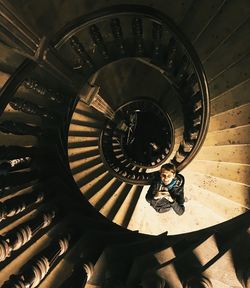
(162, 205)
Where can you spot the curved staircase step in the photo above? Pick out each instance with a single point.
(207, 43)
(108, 194)
(214, 67)
(94, 170)
(230, 99)
(199, 16)
(94, 133)
(232, 118)
(233, 191)
(237, 135)
(226, 153)
(90, 193)
(73, 152)
(86, 143)
(124, 215)
(83, 161)
(88, 181)
(221, 207)
(229, 171)
(93, 161)
(195, 217)
(85, 126)
(82, 156)
(231, 78)
(87, 114)
(108, 207)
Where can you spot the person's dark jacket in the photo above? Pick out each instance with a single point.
(176, 191)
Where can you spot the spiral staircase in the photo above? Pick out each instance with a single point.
(75, 105)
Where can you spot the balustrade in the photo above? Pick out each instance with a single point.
(171, 55)
(19, 128)
(137, 28)
(19, 236)
(84, 60)
(15, 152)
(157, 36)
(118, 35)
(181, 72)
(98, 40)
(14, 179)
(14, 165)
(28, 107)
(17, 204)
(35, 86)
(35, 270)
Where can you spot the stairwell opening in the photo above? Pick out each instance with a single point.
(22, 199)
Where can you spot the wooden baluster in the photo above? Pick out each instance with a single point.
(98, 40)
(197, 118)
(14, 282)
(171, 54)
(5, 168)
(19, 128)
(14, 165)
(196, 100)
(34, 85)
(28, 107)
(19, 236)
(80, 275)
(187, 145)
(17, 204)
(200, 281)
(157, 36)
(118, 35)
(192, 133)
(15, 152)
(138, 33)
(181, 72)
(35, 271)
(84, 60)
(5, 249)
(191, 82)
(14, 179)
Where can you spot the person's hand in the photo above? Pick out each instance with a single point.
(158, 195)
(163, 194)
(168, 197)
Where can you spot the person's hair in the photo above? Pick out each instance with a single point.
(169, 167)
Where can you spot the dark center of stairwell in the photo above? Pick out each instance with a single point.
(148, 136)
